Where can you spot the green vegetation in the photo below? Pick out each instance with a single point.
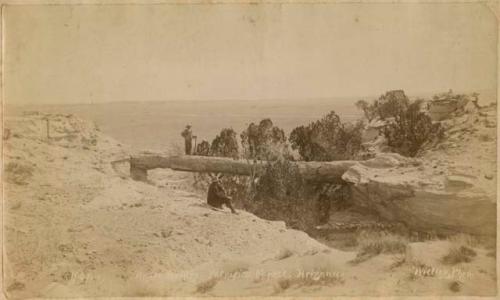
(225, 144)
(203, 148)
(282, 194)
(411, 129)
(408, 128)
(279, 192)
(264, 141)
(327, 139)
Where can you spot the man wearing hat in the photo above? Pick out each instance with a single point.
(187, 134)
(217, 195)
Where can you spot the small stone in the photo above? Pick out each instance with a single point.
(65, 248)
(455, 286)
(66, 276)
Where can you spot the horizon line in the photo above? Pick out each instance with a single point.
(92, 102)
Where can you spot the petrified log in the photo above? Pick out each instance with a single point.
(313, 171)
(402, 189)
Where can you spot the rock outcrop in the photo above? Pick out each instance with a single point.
(400, 191)
(451, 188)
(446, 105)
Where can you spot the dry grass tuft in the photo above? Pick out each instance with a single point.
(458, 255)
(206, 286)
(373, 243)
(18, 173)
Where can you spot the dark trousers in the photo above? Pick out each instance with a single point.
(219, 201)
(188, 145)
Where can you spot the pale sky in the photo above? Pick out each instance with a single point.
(93, 54)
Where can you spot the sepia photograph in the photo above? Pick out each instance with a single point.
(249, 149)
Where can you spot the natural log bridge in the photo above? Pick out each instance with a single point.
(313, 171)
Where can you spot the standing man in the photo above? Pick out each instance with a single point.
(187, 134)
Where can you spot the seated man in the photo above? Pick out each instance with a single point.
(217, 196)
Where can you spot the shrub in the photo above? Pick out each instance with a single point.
(282, 194)
(391, 104)
(264, 141)
(387, 106)
(411, 130)
(327, 139)
(368, 110)
(203, 148)
(238, 188)
(350, 140)
(459, 255)
(373, 243)
(225, 144)
(408, 127)
(279, 192)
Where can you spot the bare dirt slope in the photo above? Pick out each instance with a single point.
(72, 222)
(76, 225)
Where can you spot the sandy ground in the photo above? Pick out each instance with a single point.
(469, 151)
(77, 225)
